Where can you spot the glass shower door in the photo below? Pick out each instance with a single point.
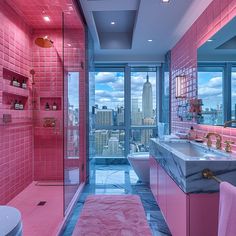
(73, 74)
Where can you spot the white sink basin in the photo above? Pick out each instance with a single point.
(193, 149)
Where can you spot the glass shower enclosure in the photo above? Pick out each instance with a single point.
(74, 107)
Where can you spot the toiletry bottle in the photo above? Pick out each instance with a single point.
(21, 106)
(17, 83)
(16, 105)
(12, 106)
(192, 133)
(23, 85)
(47, 107)
(54, 106)
(14, 82)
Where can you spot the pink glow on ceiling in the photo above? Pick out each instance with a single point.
(34, 11)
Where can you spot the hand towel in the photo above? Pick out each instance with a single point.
(227, 210)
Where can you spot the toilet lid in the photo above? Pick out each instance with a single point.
(10, 220)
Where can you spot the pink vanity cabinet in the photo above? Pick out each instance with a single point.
(185, 214)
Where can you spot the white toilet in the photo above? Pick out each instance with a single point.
(140, 163)
(10, 221)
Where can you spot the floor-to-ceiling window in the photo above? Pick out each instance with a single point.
(108, 112)
(123, 110)
(143, 107)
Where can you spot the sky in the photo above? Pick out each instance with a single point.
(109, 88)
(73, 89)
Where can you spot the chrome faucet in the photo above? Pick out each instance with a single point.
(229, 122)
(218, 140)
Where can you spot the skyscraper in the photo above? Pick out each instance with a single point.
(146, 134)
(104, 117)
(120, 115)
(101, 140)
(136, 114)
(147, 99)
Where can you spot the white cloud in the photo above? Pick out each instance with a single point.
(114, 96)
(208, 91)
(105, 77)
(215, 82)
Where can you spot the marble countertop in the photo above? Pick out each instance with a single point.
(208, 153)
(184, 161)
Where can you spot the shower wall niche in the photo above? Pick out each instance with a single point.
(15, 95)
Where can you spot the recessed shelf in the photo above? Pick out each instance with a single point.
(10, 75)
(9, 89)
(50, 101)
(12, 94)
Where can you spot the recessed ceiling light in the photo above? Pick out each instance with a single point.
(113, 22)
(165, 1)
(149, 40)
(46, 18)
(68, 44)
(209, 40)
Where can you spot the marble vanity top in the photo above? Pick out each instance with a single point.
(184, 161)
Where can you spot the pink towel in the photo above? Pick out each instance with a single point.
(112, 215)
(227, 211)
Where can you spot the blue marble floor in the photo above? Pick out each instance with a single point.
(119, 179)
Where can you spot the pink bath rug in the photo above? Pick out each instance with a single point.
(112, 215)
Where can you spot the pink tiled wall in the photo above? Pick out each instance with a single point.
(16, 145)
(184, 62)
(48, 142)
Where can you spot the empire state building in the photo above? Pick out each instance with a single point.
(147, 99)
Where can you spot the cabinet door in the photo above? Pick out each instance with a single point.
(204, 213)
(177, 205)
(161, 190)
(153, 176)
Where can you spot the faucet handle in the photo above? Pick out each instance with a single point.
(218, 144)
(209, 142)
(228, 145)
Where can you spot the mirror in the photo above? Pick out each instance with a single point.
(217, 76)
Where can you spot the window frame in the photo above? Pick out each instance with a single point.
(128, 69)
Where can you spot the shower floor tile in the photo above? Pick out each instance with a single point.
(40, 206)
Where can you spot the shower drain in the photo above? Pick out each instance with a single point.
(41, 203)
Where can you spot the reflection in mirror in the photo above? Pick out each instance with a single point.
(217, 76)
(210, 90)
(233, 93)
